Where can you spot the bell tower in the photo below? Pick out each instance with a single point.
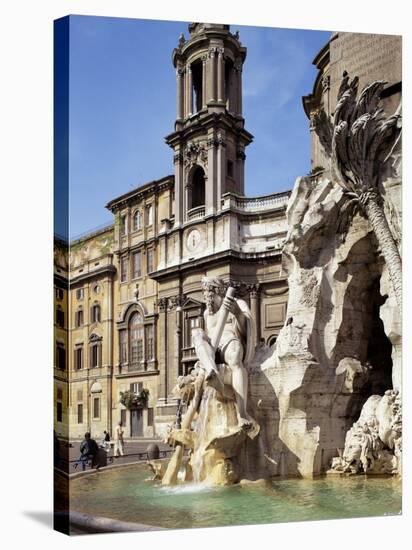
(209, 139)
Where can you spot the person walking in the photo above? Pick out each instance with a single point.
(118, 440)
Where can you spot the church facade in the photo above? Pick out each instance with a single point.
(128, 296)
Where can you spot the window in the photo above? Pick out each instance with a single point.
(124, 267)
(59, 411)
(96, 289)
(230, 168)
(136, 340)
(96, 313)
(197, 193)
(150, 417)
(150, 260)
(123, 417)
(95, 355)
(149, 342)
(123, 225)
(59, 293)
(137, 220)
(197, 79)
(80, 413)
(60, 356)
(149, 215)
(80, 293)
(137, 264)
(136, 387)
(96, 407)
(60, 317)
(194, 322)
(79, 318)
(78, 358)
(123, 346)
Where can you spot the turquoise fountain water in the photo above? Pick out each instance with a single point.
(125, 495)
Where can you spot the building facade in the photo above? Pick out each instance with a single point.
(132, 290)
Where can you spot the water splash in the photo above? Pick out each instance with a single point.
(187, 488)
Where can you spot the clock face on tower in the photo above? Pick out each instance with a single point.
(193, 240)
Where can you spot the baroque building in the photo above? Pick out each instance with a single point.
(131, 292)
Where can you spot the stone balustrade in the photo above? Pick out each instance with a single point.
(196, 213)
(255, 204)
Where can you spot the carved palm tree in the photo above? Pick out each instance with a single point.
(359, 140)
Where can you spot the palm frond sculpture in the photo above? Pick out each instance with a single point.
(359, 140)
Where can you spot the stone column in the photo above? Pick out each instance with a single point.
(185, 109)
(212, 74)
(204, 101)
(240, 157)
(211, 175)
(110, 349)
(220, 76)
(162, 305)
(239, 88)
(232, 90)
(221, 170)
(189, 91)
(178, 162)
(179, 94)
(255, 308)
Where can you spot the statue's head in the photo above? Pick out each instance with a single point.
(214, 290)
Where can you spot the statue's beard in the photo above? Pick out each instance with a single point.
(210, 304)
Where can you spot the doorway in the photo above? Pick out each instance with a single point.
(136, 423)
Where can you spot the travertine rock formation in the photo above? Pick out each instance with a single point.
(340, 343)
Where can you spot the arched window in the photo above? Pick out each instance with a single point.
(136, 335)
(137, 220)
(198, 188)
(137, 341)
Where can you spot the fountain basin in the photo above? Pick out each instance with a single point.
(124, 495)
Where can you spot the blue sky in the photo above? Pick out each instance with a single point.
(122, 105)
